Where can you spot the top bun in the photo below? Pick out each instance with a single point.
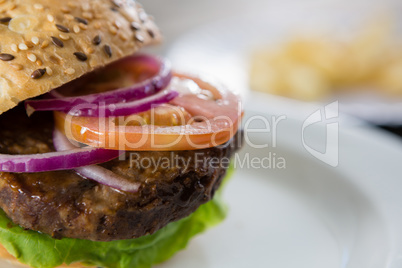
(47, 43)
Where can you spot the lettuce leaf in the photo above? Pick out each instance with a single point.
(42, 251)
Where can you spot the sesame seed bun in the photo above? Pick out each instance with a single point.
(47, 43)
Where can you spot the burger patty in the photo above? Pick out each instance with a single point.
(64, 204)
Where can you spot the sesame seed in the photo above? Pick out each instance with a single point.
(50, 18)
(68, 16)
(89, 50)
(14, 47)
(117, 24)
(49, 71)
(38, 6)
(12, 7)
(57, 42)
(88, 15)
(39, 63)
(65, 9)
(23, 46)
(139, 38)
(80, 56)
(29, 44)
(45, 44)
(16, 66)
(5, 20)
(6, 57)
(143, 16)
(54, 59)
(135, 26)
(81, 20)
(70, 71)
(64, 36)
(31, 57)
(38, 73)
(108, 50)
(76, 29)
(112, 30)
(62, 28)
(123, 37)
(83, 26)
(35, 40)
(97, 40)
(97, 25)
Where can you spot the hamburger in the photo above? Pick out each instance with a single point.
(108, 158)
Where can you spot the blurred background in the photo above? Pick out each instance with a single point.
(292, 58)
(312, 51)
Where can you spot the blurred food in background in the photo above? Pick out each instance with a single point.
(312, 67)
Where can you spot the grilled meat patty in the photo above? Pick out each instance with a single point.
(64, 204)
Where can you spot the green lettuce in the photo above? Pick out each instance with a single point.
(42, 251)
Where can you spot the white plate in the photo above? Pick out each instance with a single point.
(310, 214)
(224, 47)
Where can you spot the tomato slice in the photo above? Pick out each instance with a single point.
(193, 121)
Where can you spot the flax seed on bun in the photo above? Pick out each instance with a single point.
(45, 44)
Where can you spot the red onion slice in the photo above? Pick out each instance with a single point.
(123, 95)
(94, 172)
(70, 159)
(122, 109)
